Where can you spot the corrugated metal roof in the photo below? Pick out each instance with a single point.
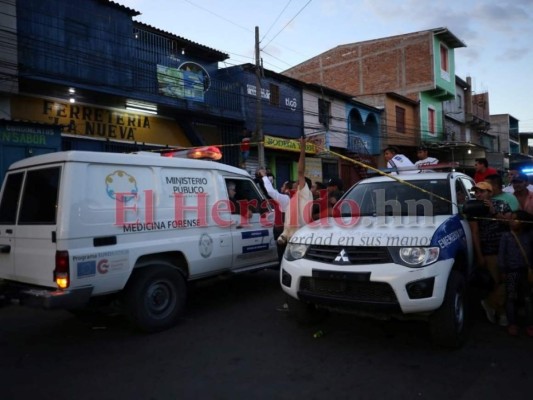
(131, 11)
(199, 48)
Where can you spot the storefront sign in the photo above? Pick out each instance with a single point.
(273, 142)
(252, 91)
(89, 121)
(29, 135)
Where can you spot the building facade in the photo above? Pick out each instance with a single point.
(84, 75)
(108, 83)
(505, 130)
(400, 122)
(419, 66)
(346, 132)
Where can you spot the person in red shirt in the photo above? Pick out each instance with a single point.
(482, 170)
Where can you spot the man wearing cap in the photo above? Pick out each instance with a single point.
(497, 194)
(335, 185)
(324, 207)
(523, 195)
(423, 158)
(486, 234)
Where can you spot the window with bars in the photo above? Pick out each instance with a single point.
(324, 112)
(444, 58)
(431, 121)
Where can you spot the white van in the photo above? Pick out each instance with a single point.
(75, 226)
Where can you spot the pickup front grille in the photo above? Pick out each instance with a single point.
(358, 255)
(348, 290)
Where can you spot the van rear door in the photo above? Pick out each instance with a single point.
(35, 247)
(8, 214)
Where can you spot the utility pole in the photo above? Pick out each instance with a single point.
(259, 110)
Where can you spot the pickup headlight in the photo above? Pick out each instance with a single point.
(295, 251)
(415, 257)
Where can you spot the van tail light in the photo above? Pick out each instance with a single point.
(62, 270)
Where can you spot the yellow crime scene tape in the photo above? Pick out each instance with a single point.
(387, 173)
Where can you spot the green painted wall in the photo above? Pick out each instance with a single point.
(444, 81)
(427, 101)
(444, 90)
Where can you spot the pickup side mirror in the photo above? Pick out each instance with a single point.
(475, 208)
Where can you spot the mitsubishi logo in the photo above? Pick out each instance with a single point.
(342, 258)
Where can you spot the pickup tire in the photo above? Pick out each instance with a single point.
(305, 313)
(154, 297)
(448, 323)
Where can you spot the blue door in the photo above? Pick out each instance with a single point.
(283, 172)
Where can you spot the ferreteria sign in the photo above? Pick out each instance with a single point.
(96, 122)
(273, 142)
(92, 121)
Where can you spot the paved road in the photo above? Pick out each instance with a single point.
(235, 343)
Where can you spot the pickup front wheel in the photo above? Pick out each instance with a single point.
(448, 323)
(154, 297)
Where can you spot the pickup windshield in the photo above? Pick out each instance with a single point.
(421, 197)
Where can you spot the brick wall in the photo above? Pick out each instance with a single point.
(402, 64)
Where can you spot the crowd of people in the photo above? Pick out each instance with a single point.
(503, 244)
(502, 237)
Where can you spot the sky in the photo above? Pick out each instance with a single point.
(497, 33)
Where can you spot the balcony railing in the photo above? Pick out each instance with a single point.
(357, 145)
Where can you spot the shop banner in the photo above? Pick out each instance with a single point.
(272, 142)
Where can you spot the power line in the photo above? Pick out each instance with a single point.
(219, 16)
(276, 20)
(105, 61)
(287, 24)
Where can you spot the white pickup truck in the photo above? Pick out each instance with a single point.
(399, 247)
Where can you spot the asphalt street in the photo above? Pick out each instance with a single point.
(237, 341)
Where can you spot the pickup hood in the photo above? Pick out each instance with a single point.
(378, 231)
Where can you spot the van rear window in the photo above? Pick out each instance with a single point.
(10, 199)
(39, 198)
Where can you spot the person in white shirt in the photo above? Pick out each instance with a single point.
(281, 198)
(298, 212)
(398, 162)
(512, 174)
(423, 158)
(282, 204)
(296, 206)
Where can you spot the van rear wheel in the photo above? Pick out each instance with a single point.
(154, 297)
